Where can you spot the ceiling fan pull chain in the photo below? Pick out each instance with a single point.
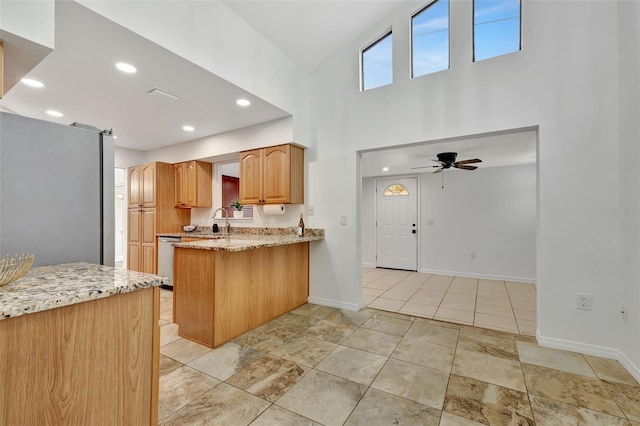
(443, 179)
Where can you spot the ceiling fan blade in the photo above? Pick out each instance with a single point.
(464, 167)
(436, 161)
(423, 167)
(474, 160)
(438, 171)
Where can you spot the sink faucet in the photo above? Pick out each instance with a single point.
(227, 225)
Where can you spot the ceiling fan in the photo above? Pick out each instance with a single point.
(447, 160)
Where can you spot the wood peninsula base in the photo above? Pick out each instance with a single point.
(92, 363)
(219, 295)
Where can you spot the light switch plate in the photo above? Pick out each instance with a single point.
(311, 211)
(343, 220)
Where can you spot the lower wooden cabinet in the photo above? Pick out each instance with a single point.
(92, 363)
(142, 240)
(219, 295)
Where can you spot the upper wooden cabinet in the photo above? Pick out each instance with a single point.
(143, 186)
(273, 175)
(193, 184)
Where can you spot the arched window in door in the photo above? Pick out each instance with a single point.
(395, 190)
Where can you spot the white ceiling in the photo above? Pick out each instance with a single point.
(82, 82)
(506, 149)
(311, 31)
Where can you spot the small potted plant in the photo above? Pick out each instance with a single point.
(237, 213)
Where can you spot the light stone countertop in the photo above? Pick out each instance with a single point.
(239, 242)
(50, 287)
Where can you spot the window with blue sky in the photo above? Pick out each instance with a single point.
(430, 39)
(496, 28)
(377, 63)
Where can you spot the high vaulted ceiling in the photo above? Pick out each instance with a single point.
(82, 82)
(311, 31)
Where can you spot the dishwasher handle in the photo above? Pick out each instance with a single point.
(169, 239)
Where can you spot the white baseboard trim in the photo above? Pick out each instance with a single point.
(335, 303)
(484, 276)
(588, 349)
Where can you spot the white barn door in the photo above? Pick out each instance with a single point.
(396, 223)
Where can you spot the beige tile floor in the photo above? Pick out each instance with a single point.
(498, 305)
(323, 366)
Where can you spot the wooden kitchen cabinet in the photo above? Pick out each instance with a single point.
(193, 184)
(143, 186)
(219, 295)
(152, 211)
(142, 240)
(89, 363)
(273, 175)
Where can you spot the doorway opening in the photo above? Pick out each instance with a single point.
(476, 237)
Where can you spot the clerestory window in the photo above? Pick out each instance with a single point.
(430, 39)
(496, 28)
(377, 63)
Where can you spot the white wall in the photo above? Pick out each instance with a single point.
(490, 212)
(266, 134)
(367, 222)
(629, 175)
(566, 81)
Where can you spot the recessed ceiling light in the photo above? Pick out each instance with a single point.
(124, 67)
(385, 169)
(115, 137)
(188, 128)
(54, 113)
(32, 83)
(243, 102)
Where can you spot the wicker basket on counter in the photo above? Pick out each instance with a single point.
(14, 267)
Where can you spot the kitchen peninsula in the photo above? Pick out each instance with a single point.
(226, 286)
(79, 344)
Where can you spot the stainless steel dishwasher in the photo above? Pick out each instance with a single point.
(165, 258)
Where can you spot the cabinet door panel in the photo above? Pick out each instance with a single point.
(276, 174)
(181, 185)
(135, 217)
(149, 258)
(251, 177)
(149, 185)
(148, 226)
(133, 257)
(191, 183)
(135, 193)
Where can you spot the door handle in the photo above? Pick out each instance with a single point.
(413, 231)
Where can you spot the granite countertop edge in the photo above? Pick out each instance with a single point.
(56, 286)
(243, 243)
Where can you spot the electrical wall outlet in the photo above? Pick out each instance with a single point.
(473, 256)
(583, 301)
(623, 312)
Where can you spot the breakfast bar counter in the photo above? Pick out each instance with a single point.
(79, 344)
(224, 287)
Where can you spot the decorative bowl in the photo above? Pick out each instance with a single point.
(189, 228)
(14, 267)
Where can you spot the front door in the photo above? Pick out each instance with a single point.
(396, 223)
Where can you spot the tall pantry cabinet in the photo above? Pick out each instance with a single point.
(151, 211)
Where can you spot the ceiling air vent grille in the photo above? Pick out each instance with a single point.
(161, 94)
